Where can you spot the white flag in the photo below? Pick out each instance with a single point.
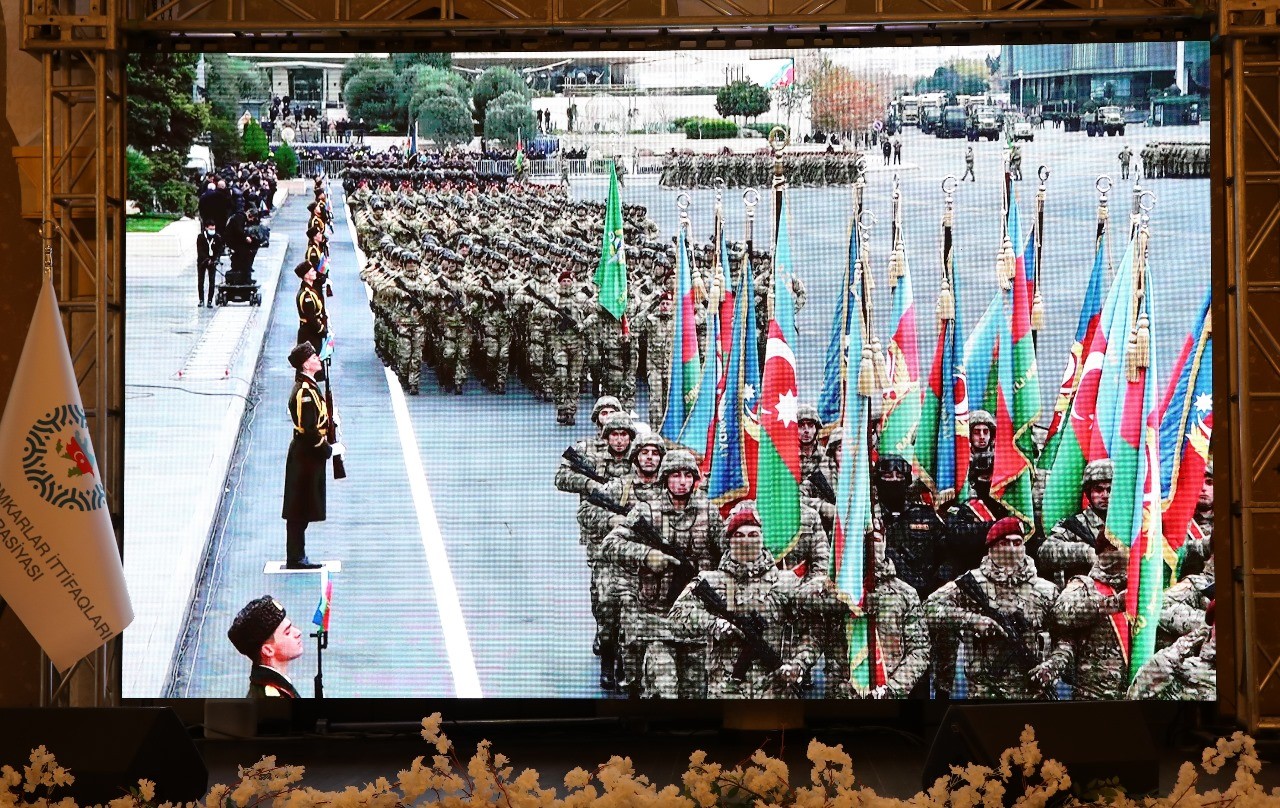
(60, 570)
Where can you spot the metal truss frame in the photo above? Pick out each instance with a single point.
(83, 45)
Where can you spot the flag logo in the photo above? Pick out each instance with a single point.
(58, 463)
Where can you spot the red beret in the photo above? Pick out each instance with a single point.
(744, 513)
(1008, 526)
(1209, 612)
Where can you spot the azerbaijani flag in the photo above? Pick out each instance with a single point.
(698, 432)
(321, 618)
(1078, 444)
(519, 162)
(785, 76)
(728, 479)
(975, 381)
(1185, 428)
(1086, 326)
(1018, 391)
(611, 273)
(1134, 514)
(751, 383)
(686, 369)
(835, 366)
(853, 565)
(942, 453)
(901, 416)
(778, 470)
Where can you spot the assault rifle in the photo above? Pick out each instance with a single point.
(566, 320)
(1013, 626)
(645, 533)
(583, 466)
(822, 487)
(749, 624)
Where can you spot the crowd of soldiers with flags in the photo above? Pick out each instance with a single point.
(915, 530)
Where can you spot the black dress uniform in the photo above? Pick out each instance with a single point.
(306, 466)
(254, 625)
(209, 249)
(269, 683)
(313, 317)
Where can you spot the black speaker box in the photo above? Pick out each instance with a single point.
(107, 750)
(1096, 741)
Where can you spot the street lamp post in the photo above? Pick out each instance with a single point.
(1020, 81)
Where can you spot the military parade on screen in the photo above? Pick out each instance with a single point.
(922, 526)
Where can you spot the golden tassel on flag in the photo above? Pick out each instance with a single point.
(867, 373)
(946, 308)
(1006, 266)
(1037, 311)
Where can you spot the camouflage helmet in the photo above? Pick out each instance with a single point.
(616, 421)
(834, 440)
(892, 462)
(647, 438)
(1099, 471)
(808, 412)
(982, 417)
(601, 403)
(679, 460)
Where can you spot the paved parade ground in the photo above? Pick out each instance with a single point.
(461, 572)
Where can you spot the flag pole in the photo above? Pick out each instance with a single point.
(1037, 301)
(778, 141)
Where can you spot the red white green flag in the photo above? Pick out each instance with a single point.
(778, 463)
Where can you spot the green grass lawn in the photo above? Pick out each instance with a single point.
(148, 223)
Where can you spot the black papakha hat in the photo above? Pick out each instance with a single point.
(301, 354)
(256, 622)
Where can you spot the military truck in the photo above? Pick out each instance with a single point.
(952, 123)
(983, 123)
(1112, 120)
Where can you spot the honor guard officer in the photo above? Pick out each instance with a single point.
(307, 462)
(313, 317)
(263, 633)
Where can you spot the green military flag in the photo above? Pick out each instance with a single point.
(611, 273)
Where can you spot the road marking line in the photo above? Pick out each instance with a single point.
(457, 643)
(466, 680)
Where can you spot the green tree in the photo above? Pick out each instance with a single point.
(741, 98)
(229, 81)
(509, 115)
(225, 141)
(138, 177)
(286, 160)
(404, 62)
(358, 65)
(376, 96)
(163, 118)
(445, 118)
(491, 85)
(255, 142)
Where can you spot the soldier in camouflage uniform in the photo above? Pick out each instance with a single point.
(963, 543)
(999, 664)
(493, 294)
(410, 330)
(659, 332)
(809, 425)
(668, 663)
(1186, 670)
(1069, 549)
(1088, 619)
(747, 583)
(642, 484)
(1198, 548)
(455, 314)
(1184, 605)
(567, 347)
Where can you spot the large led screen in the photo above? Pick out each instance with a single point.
(821, 374)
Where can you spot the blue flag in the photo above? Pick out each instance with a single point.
(835, 371)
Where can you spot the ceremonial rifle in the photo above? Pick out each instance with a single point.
(647, 534)
(339, 465)
(566, 320)
(822, 487)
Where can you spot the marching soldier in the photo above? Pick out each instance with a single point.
(1069, 550)
(263, 633)
(963, 544)
(659, 340)
(968, 166)
(307, 462)
(669, 665)
(1126, 159)
(982, 433)
(1186, 670)
(809, 425)
(1090, 621)
(911, 528)
(567, 348)
(756, 647)
(1183, 609)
